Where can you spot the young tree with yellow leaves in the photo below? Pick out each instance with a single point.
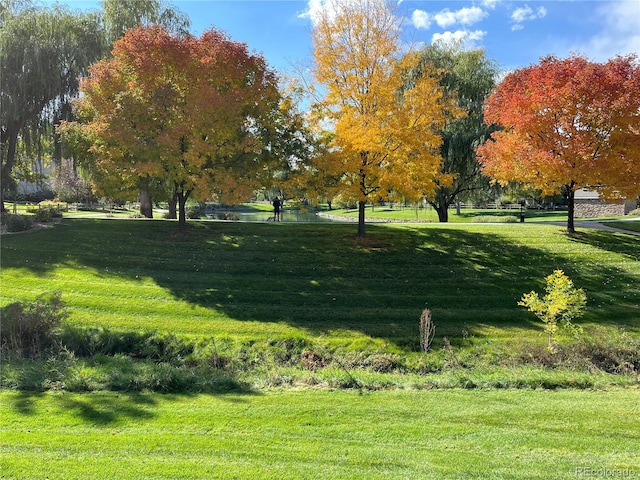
(385, 132)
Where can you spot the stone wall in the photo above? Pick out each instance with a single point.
(597, 208)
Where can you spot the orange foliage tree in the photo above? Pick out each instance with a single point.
(567, 124)
(384, 131)
(184, 113)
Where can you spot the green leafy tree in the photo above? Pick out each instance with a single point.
(122, 15)
(467, 77)
(562, 303)
(43, 52)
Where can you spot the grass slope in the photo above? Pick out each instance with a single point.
(316, 284)
(252, 281)
(493, 434)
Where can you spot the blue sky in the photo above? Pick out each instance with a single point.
(515, 33)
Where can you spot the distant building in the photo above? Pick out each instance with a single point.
(589, 205)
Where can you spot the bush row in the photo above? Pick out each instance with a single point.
(22, 223)
(16, 223)
(41, 351)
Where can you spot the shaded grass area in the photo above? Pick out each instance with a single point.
(257, 281)
(264, 296)
(491, 434)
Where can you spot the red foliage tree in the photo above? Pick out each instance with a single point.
(567, 124)
(179, 111)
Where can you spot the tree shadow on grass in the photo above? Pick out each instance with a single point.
(615, 242)
(97, 409)
(322, 279)
(107, 407)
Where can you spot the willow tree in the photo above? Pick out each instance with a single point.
(43, 52)
(122, 15)
(467, 77)
(385, 139)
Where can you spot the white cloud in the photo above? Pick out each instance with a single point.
(314, 7)
(620, 32)
(465, 16)
(490, 3)
(329, 9)
(318, 8)
(526, 13)
(464, 36)
(420, 19)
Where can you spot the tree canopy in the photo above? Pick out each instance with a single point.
(384, 131)
(189, 112)
(43, 52)
(467, 77)
(121, 15)
(567, 124)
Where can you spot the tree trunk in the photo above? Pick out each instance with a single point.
(182, 198)
(443, 212)
(571, 199)
(7, 166)
(182, 211)
(361, 207)
(146, 204)
(173, 207)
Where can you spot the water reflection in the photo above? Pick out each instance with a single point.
(286, 216)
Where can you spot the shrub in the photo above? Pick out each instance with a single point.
(562, 303)
(42, 215)
(87, 342)
(495, 219)
(27, 329)
(193, 213)
(634, 213)
(612, 351)
(17, 223)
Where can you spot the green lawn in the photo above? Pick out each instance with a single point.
(307, 434)
(264, 293)
(246, 279)
(263, 280)
(631, 225)
(468, 215)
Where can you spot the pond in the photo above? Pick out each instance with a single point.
(287, 216)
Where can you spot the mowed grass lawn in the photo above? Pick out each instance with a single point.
(241, 282)
(255, 281)
(303, 434)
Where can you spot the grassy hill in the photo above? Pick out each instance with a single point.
(315, 295)
(234, 318)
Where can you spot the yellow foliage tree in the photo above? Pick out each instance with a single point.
(385, 134)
